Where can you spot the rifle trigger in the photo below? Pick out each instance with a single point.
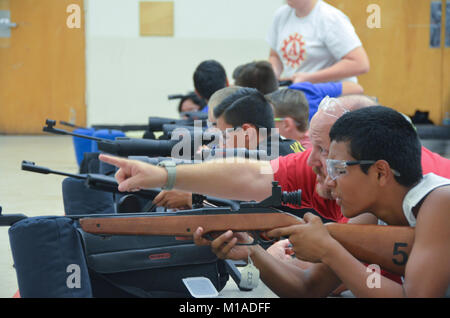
(260, 238)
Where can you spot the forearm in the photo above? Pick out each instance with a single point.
(231, 178)
(351, 88)
(288, 280)
(246, 180)
(356, 277)
(343, 69)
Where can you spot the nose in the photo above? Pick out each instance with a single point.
(329, 182)
(313, 159)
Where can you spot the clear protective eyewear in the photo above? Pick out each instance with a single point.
(337, 168)
(332, 107)
(278, 119)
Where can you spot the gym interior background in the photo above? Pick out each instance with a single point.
(111, 69)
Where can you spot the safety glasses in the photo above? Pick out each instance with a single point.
(278, 119)
(332, 107)
(337, 168)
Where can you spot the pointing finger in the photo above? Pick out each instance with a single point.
(115, 161)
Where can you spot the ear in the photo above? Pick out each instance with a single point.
(289, 124)
(383, 171)
(249, 128)
(251, 136)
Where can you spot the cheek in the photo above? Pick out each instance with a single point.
(280, 128)
(355, 195)
(235, 141)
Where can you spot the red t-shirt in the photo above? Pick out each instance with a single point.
(432, 162)
(292, 173)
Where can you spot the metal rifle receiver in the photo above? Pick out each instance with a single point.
(278, 198)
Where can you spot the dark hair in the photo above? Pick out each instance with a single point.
(209, 77)
(229, 100)
(259, 75)
(291, 103)
(252, 108)
(193, 97)
(381, 133)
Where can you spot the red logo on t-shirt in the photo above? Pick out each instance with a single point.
(293, 50)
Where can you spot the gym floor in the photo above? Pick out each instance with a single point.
(37, 194)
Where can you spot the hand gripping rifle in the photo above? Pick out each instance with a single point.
(386, 246)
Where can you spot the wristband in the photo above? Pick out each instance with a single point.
(170, 167)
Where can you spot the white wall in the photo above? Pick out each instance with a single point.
(130, 76)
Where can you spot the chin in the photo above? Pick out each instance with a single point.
(324, 192)
(349, 213)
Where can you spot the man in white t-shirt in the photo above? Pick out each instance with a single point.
(313, 41)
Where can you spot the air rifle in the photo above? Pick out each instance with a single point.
(92, 180)
(386, 246)
(199, 115)
(208, 154)
(220, 153)
(156, 123)
(125, 147)
(285, 83)
(168, 129)
(105, 183)
(123, 128)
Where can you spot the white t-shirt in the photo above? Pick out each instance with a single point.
(314, 42)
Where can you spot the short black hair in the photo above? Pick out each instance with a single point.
(252, 108)
(259, 75)
(381, 133)
(229, 100)
(209, 77)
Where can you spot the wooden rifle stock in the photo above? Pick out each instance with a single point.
(386, 246)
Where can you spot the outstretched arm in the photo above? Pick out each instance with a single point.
(232, 179)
